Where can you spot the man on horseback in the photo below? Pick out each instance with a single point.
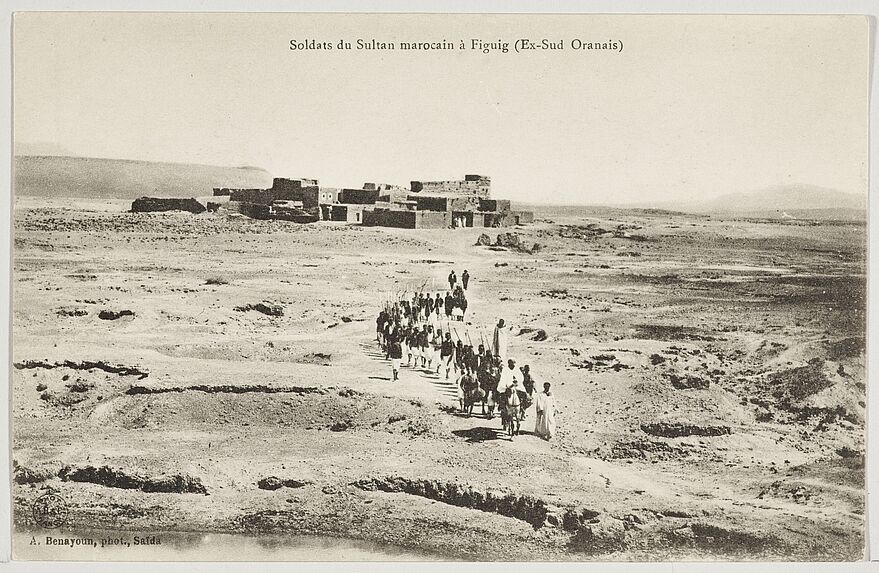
(513, 406)
(509, 378)
(472, 392)
(486, 381)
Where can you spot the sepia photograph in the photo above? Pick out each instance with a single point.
(439, 287)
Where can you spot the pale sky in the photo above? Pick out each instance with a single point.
(693, 106)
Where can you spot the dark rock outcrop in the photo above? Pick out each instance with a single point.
(688, 382)
(267, 309)
(508, 240)
(114, 314)
(514, 242)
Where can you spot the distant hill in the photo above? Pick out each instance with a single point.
(787, 198)
(64, 176)
(783, 202)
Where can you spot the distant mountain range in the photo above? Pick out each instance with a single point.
(66, 176)
(789, 201)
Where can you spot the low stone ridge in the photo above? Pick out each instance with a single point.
(226, 388)
(110, 477)
(676, 430)
(84, 365)
(526, 508)
(272, 483)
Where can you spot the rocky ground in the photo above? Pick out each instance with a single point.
(180, 372)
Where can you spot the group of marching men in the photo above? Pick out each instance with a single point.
(412, 330)
(454, 303)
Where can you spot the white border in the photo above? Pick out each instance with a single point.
(865, 7)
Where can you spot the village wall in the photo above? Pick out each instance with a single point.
(152, 204)
(407, 219)
(285, 184)
(252, 210)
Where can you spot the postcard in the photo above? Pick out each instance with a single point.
(439, 287)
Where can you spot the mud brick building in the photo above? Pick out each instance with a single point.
(359, 196)
(262, 196)
(351, 204)
(389, 193)
(504, 219)
(435, 204)
(386, 187)
(282, 198)
(293, 211)
(425, 205)
(328, 195)
(476, 185)
(305, 190)
(394, 197)
(407, 219)
(494, 205)
(349, 213)
(284, 184)
(467, 202)
(445, 202)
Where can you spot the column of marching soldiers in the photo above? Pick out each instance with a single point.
(425, 331)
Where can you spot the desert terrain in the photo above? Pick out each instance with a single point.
(708, 371)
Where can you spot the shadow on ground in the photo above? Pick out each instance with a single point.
(480, 434)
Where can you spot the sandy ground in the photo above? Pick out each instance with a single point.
(709, 376)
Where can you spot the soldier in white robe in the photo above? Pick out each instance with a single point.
(544, 403)
(499, 341)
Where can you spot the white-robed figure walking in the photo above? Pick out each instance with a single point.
(499, 341)
(404, 345)
(544, 403)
